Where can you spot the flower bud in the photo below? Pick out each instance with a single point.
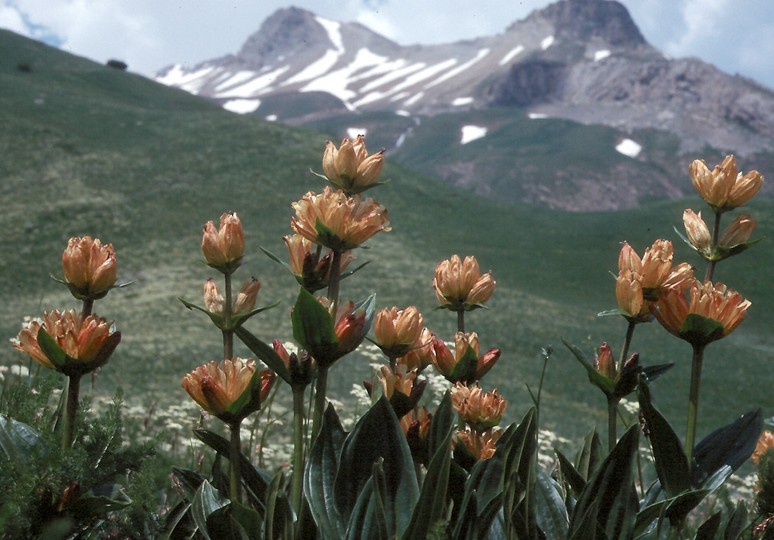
(464, 364)
(471, 446)
(737, 232)
(224, 247)
(246, 297)
(698, 232)
(89, 267)
(213, 300)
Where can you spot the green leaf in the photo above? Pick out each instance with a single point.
(52, 350)
(256, 480)
(465, 369)
(320, 475)
(551, 512)
(378, 436)
(206, 501)
(279, 515)
(99, 501)
(264, 352)
(519, 504)
(569, 474)
(216, 319)
(433, 498)
(313, 328)
(17, 439)
(699, 330)
(709, 528)
(651, 373)
(606, 384)
(609, 493)
(673, 509)
(671, 463)
(369, 519)
(725, 450)
(737, 522)
(248, 519)
(443, 421)
(590, 455)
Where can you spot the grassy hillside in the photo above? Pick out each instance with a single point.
(86, 149)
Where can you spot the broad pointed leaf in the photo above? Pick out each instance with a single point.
(672, 465)
(264, 352)
(206, 501)
(378, 436)
(610, 491)
(320, 475)
(17, 439)
(726, 449)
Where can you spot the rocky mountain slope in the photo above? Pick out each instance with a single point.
(579, 60)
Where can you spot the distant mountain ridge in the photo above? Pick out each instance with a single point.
(583, 60)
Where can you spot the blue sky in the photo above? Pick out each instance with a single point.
(735, 35)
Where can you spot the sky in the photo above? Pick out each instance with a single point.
(735, 35)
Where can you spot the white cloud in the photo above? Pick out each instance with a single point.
(11, 19)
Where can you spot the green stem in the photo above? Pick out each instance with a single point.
(693, 402)
(319, 399)
(228, 335)
(461, 320)
(715, 235)
(627, 343)
(235, 452)
(71, 407)
(86, 309)
(298, 447)
(333, 283)
(612, 416)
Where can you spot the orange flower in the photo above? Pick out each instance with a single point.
(224, 247)
(477, 446)
(312, 268)
(401, 388)
(337, 221)
(480, 410)
(641, 281)
(764, 444)
(416, 426)
(724, 188)
(422, 354)
(464, 365)
(228, 390)
(460, 285)
(707, 313)
(350, 167)
(87, 343)
(242, 304)
(301, 369)
(89, 267)
(397, 330)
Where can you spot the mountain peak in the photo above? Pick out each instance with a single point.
(285, 29)
(587, 19)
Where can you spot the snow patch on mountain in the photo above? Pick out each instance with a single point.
(458, 102)
(459, 69)
(511, 54)
(547, 42)
(471, 133)
(629, 148)
(242, 106)
(601, 55)
(253, 87)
